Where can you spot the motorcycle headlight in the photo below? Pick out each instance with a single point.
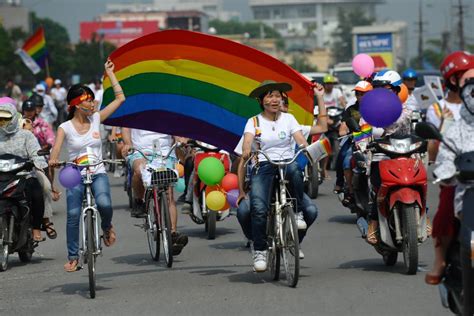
(9, 165)
(401, 146)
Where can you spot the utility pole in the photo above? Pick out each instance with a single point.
(420, 35)
(462, 42)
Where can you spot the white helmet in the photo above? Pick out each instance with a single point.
(387, 77)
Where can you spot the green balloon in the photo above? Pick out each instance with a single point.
(211, 171)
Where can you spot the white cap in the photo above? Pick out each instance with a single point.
(57, 81)
(363, 86)
(39, 87)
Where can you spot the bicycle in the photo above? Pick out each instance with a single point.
(157, 220)
(282, 230)
(90, 246)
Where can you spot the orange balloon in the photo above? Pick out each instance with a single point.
(211, 188)
(230, 182)
(403, 94)
(180, 169)
(226, 206)
(49, 81)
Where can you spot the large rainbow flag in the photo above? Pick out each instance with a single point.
(196, 85)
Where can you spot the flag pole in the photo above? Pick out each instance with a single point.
(47, 67)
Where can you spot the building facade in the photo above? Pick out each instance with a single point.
(306, 24)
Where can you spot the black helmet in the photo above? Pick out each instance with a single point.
(37, 99)
(28, 105)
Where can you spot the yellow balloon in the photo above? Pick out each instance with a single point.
(215, 200)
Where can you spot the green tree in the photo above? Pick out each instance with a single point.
(342, 46)
(87, 58)
(254, 29)
(301, 63)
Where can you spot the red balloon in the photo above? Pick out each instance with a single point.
(230, 182)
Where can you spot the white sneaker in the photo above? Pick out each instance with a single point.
(260, 261)
(301, 254)
(300, 221)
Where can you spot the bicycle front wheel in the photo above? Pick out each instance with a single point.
(152, 227)
(273, 247)
(90, 253)
(165, 228)
(290, 246)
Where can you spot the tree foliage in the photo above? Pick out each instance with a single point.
(301, 63)
(342, 45)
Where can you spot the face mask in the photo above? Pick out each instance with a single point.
(4, 122)
(467, 95)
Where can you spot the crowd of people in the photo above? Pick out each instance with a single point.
(53, 118)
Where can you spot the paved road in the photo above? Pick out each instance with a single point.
(341, 274)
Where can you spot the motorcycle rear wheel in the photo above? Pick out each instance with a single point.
(4, 247)
(410, 239)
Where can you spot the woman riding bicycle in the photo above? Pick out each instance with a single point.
(273, 135)
(81, 132)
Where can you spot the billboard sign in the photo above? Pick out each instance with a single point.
(117, 32)
(377, 45)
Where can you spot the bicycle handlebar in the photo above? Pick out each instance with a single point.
(132, 149)
(277, 163)
(111, 161)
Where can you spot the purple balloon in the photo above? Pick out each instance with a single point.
(232, 197)
(69, 177)
(380, 107)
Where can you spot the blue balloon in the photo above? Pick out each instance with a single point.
(180, 185)
(380, 107)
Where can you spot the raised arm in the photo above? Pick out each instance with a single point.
(322, 121)
(119, 96)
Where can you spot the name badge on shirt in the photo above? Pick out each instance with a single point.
(282, 135)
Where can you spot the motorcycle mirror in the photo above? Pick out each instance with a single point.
(43, 152)
(352, 125)
(428, 131)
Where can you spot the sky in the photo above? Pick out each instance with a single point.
(439, 15)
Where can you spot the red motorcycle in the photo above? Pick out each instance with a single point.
(401, 199)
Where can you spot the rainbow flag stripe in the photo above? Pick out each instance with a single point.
(365, 132)
(196, 85)
(83, 160)
(438, 110)
(326, 145)
(35, 46)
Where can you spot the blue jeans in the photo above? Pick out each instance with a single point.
(310, 213)
(75, 196)
(261, 185)
(343, 162)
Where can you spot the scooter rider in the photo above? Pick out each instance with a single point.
(457, 68)
(388, 79)
(343, 164)
(17, 141)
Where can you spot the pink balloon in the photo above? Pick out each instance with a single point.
(363, 65)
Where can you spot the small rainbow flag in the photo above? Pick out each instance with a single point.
(83, 160)
(35, 47)
(326, 146)
(438, 110)
(196, 85)
(365, 132)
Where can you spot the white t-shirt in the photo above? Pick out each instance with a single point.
(306, 129)
(142, 139)
(276, 136)
(411, 103)
(59, 94)
(433, 117)
(332, 99)
(87, 144)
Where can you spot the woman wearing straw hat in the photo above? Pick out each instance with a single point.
(274, 133)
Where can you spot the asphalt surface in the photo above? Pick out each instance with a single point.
(341, 274)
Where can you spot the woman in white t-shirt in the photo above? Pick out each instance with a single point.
(273, 133)
(81, 132)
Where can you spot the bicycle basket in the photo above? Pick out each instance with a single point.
(164, 177)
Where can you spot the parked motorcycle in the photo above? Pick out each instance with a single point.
(201, 214)
(457, 286)
(401, 199)
(15, 211)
